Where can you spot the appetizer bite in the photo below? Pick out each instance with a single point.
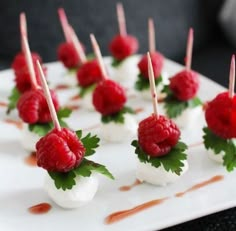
(21, 69)
(161, 154)
(109, 99)
(220, 133)
(71, 180)
(122, 48)
(142, 84)
(181, 102)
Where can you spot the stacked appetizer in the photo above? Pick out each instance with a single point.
(70, 181)
(109, 99)
(181, 102)
(122, 48)
(142, 84)
(220, 133)
(161, 154)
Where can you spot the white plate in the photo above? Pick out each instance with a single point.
(21, 185)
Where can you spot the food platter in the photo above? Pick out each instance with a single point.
(22, 184)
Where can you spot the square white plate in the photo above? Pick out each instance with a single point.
(22, 186)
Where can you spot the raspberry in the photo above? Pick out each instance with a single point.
(108, 97)
(32, 106)
(185, 85)
(22, 76)
(122, 47)
(67, 55)
(59, 151)
(157, 135)
(89, 73)
(220, 116)
(157, 64)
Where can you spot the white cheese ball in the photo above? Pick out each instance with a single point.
(157, 176)
(117, 132)
(87, 101)
(81, 193)
(29, 139)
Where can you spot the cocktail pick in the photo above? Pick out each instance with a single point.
(151, 36)
(189, 49)
(64, 24)
(232, 77)
(121, 19)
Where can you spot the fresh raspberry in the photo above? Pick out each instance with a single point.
(157, 136)
(67, 55)
(122, 47)
(32, 106)
(157, 64)
(220, 116)
(59, 151)
(89, 73)
(185, 85)
(22, 76)
(108, 97)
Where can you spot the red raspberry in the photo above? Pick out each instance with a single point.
(157, 136)
(89, 73)
(220, 116)
(157, 64)
(32, 106)
(185, 85)
(122, 47)
(59, 151)
(108, 97)
(67, 55)
(22, 76)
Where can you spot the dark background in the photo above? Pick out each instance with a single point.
(172, 18)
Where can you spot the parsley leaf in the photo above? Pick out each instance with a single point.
(86, 90)
(13, 99)
(116, 62)
(143, 83)
(173, 161)
(63, 180)
(64, 113)
(72, 71)
(194, 102)
(86, 168)
(90, 56)
(117, 117)
(218, 145)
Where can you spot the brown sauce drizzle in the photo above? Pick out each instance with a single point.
(75, 97)
(73, 107)
(3, 104)
(129, 187)
(18, 124)
(120, 215)
(200, 185)
(62, 87)
(195, 144)
(91, 127)
(41, 208)
(31, 159)
(138, 110)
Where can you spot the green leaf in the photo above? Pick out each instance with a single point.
(90, 56)
(86, 168)
(63, 180)
(90, 143)
(173, 161)
(72, 71)
(194, 102)
(143, 83)
(79, 133)
(86, 90)
(230, 156)
(117, 117)
(64, 113)
(13, 99)
(41, 129)
(116, 63)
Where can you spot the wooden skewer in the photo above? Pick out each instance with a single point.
(151, 36)
(77, 45)
(27, 54)
(64, 24)
(98, 54)
(152, 86)
(23, 27)
(232, 77)
(121, 19)
(48, 98)
(189, 49)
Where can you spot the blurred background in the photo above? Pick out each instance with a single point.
(212, 20)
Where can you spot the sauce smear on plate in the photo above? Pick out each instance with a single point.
(129, 187)
(18, 124)
(31, 159)
(41, 208)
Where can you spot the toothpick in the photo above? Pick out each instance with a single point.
(232, 77)
(77, 45)
(151, 36)
(29, 61)
(64, 24)
(121, 19)
(189, 49)
(48, 98)
(98, 54)
(152, 86)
